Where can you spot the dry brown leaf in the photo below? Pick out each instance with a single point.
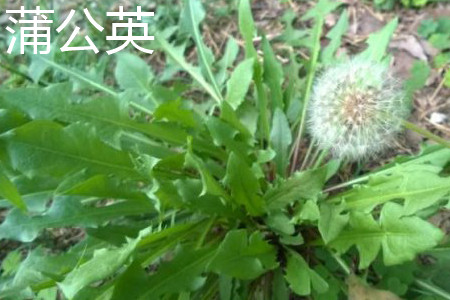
(428, 48)
(410, 44)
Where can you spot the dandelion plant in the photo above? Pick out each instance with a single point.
(208, 171)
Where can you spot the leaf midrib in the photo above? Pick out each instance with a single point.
(84, 214)
(75, 157)
(61, 114)
(202, 52)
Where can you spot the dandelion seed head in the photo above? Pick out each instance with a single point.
(356, 109)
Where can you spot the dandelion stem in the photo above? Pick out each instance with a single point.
(309, 83)
(322, 156)
(263, 112)
(425, 133)
(314, 157)
(308, 153)
(346, 184)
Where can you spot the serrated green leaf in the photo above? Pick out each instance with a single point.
(46, 147)
(248, 32)
(36, 192)
(227, 60)
(420, 72)
(9, 191)
(321, 9)
(108, 115)
(401, 238)
(190, 21)
(440, 41)
(243, 257)
(245, 188)
(334, 290)
(443, 24)
(115, 235)
(441, 60)
(280, 290)
(168, 238)
(297, 274)
(173, 111)
(48, 294)
(225, 135)
(232, 118)
(10, 119)
(183, 273)
(309, 211)
(190, 189)
(37, 66)
(101, 187)
(291, 35)
(332, 220)
(427, 27)
(239, 83)
(378, 42)
(225, 287)
(273, 75)
(319, 284)
(281, 223)
(210, 184)
(434, 155)
(431, 155)
(132, 72)
(67, 212)
(335, 36)
(247, 27)
(281, 139)
(11, 262)
(193, 71)
(102, 292)
(420, 186)
(301, 185)
(301, 278)
(17, 293)
(78, 75)
(103, 264)
(41, 266)
(248, 117)
(131, 283)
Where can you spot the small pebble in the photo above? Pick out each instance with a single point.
(438, 118)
